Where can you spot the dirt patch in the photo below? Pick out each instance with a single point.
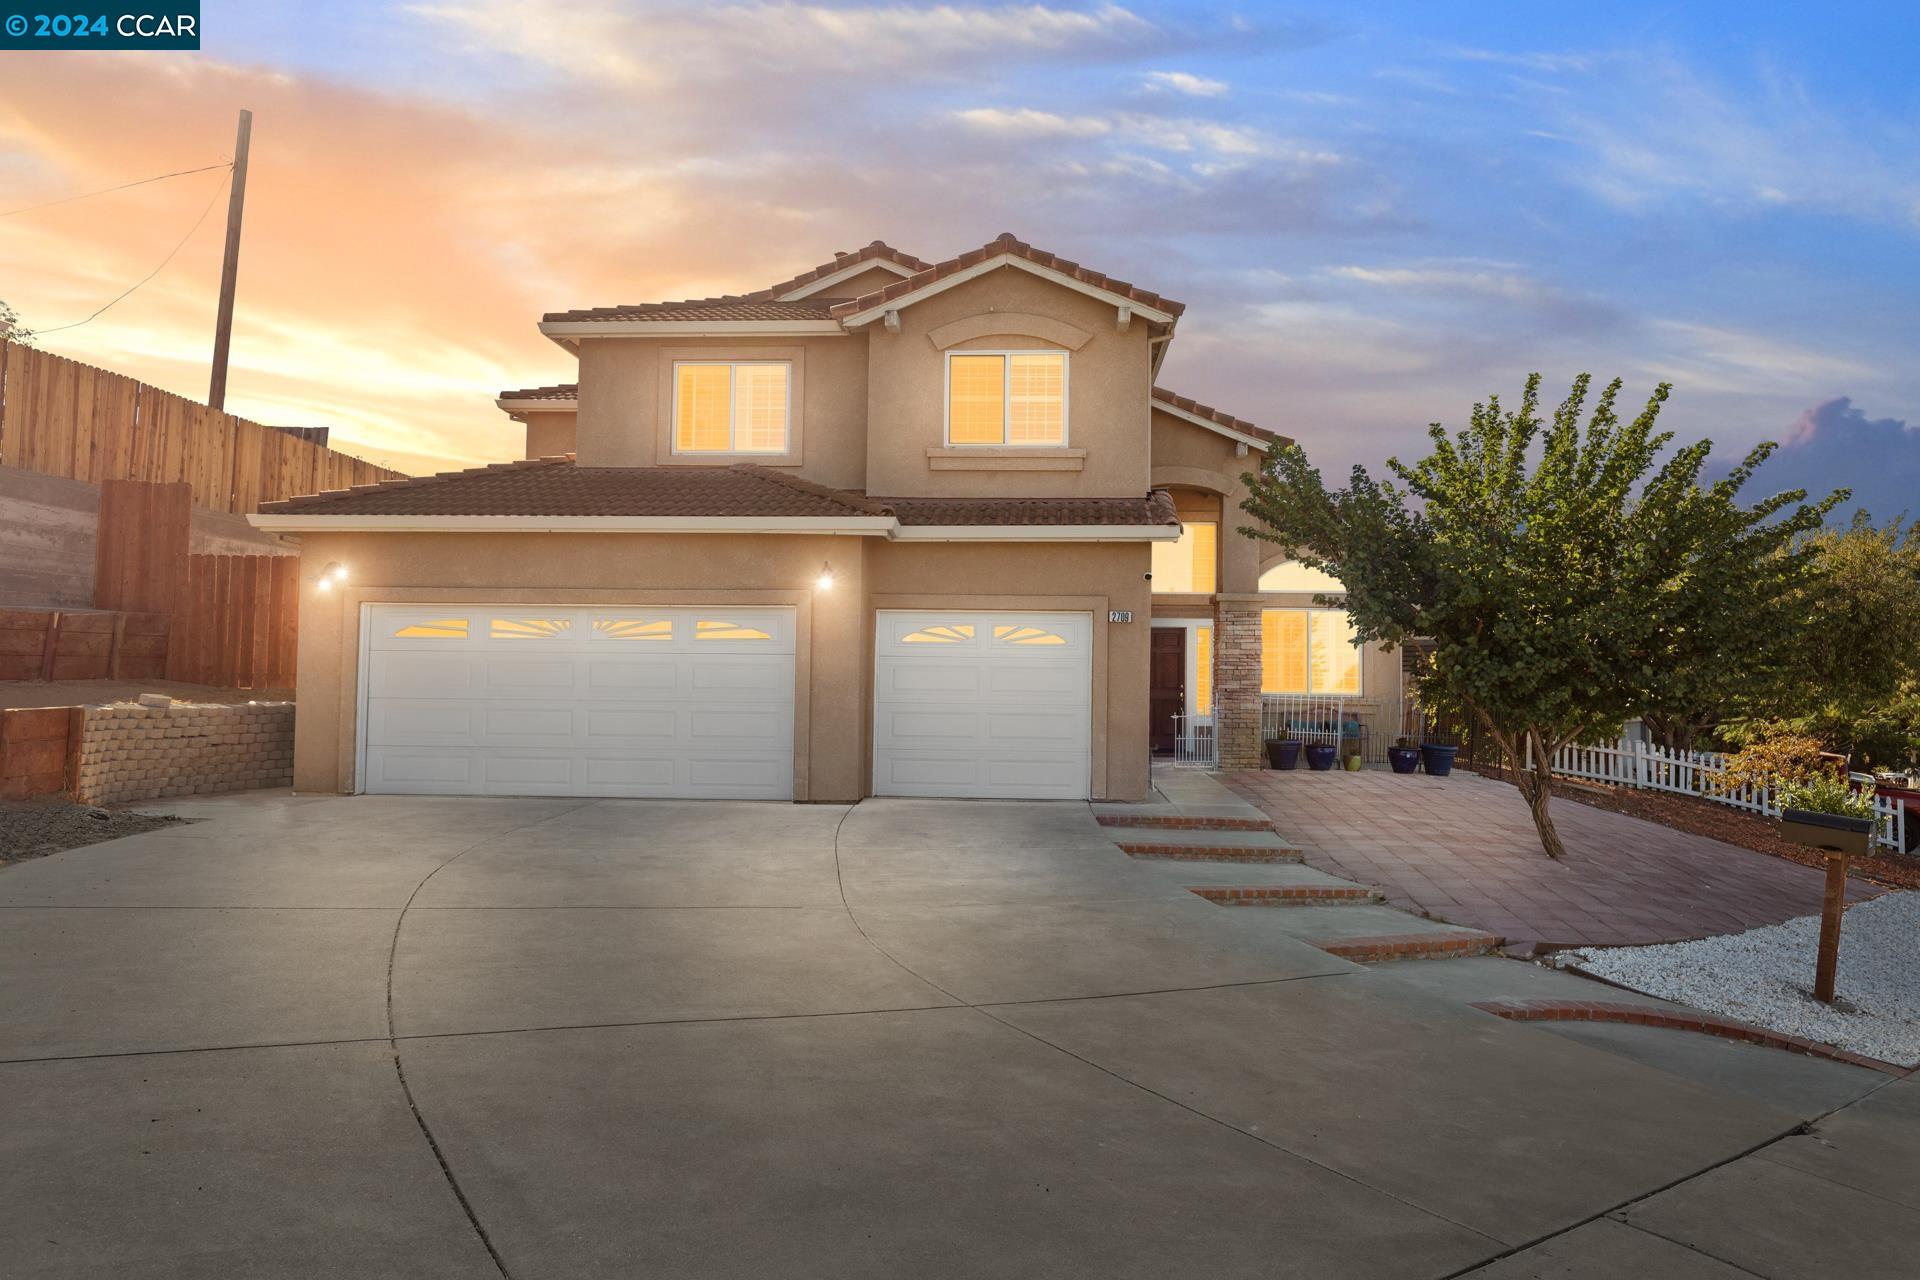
(33, 829)
(1718, 822)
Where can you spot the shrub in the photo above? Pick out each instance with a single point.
(1776, 756)
(1828, 793)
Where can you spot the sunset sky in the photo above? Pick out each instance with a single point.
(1376, 213)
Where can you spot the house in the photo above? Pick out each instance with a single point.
(890, 527)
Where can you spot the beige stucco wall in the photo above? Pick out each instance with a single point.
(549, 434)
(1107, 389)
(1193, 458)
(626, 402)
(867, 281)
(834, 695)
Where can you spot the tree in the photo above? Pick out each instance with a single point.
(1859, 654)
(1730, 633)
(1559, 572)
(10, 329)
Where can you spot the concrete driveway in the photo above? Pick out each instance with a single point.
(381, 1036)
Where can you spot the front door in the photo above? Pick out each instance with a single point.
(1167, 687)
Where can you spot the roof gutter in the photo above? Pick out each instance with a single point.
(857, 526)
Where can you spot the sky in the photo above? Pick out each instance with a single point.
(1377, 214)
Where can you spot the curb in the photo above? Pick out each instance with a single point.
(1641, 1015)
(1410, 946)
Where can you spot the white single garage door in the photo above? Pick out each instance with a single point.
(564, 701)
(983, 704)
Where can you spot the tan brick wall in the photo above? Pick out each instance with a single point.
(1236, 679)
(134, 752)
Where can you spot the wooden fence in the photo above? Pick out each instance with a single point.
(65, 418)
(82, 644)
(39, 750)
(238, 622)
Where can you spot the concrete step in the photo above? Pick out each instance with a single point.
(1286, 895)
(1205, 845)
(1163, 821)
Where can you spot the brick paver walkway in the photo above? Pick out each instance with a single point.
(1463, 849)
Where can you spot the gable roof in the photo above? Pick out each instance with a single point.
(1218, 421)
(879, 254)
(1003, 249)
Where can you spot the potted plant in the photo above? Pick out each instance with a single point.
(1283, 753)
(1321, 755)
(1403, 755)
(1437, 758)
(1350, 754)
(1825, 812)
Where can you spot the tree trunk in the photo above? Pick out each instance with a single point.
(1535, 780)
(1537, 786)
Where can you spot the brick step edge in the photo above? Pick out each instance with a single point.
(1284, 895)
(1641, 1015)
(1410, 946)
(1208, 852)
(1167, 822)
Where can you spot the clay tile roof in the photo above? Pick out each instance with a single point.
(1220, 416)
(1153, 509)
(560, 487)
(1007, 243)
(559, 391)
(841, 261)
(732, 307)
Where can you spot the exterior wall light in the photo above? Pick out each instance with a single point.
(825, 581)
(333, 574)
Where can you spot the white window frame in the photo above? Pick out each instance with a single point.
(732, 367)
(1006, 397)
(1359, 649)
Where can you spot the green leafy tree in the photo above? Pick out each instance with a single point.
(1859, 652)
(1558, 569)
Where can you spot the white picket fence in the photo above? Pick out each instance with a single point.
(1646, 766)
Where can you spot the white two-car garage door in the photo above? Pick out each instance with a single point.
(550, 700)
(983, 704)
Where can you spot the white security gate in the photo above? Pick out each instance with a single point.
(560, 700)
(983, 705)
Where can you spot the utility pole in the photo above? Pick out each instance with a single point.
(230, 268)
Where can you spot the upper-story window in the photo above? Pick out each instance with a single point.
(1189, 564)
(731, 406)
(1007, 397)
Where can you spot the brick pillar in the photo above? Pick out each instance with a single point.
(1236, 679)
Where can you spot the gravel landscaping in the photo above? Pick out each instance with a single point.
(32, 829)
(1764, 977)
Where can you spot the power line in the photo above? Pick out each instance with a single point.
(88, 195)
(156, 271)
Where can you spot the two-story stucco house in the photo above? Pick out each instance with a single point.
(886, 528)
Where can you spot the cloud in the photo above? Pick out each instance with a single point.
(1701, 357)
(686, 43)
(1647, 130)
(1183, 82)
(1028, 124)
(1834, 445)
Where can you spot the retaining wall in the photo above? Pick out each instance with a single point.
(129, 751)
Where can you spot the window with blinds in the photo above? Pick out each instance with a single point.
(1308, 651)
(1191, 564)
(1007, 398)
(731, 406)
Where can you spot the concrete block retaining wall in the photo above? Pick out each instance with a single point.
(133, 752)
